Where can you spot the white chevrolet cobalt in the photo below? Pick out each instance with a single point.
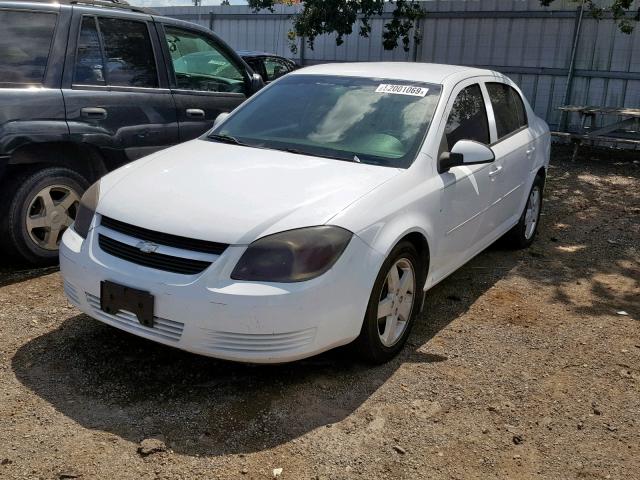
(315, 215)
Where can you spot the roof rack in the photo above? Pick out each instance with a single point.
(117, 4)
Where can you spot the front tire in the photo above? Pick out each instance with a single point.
(524, 232)
(393, 306)
(36, 207)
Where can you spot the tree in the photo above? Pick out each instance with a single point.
(339, 17)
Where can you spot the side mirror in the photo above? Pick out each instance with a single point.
(465, 152)
(220, 118)
(256, 83)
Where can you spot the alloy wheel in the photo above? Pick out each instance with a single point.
(51, 211)
(532, 212)
(396, 302)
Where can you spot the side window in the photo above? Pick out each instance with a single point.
(25, 40)
(89, 64)
(275, 68)
(508, 108)
(129, 54)
(115, 52)
(468, 118)
(199, 64)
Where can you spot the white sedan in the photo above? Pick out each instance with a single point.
(315, 215)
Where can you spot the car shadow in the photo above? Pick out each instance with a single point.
(14, 271)
(109, 380)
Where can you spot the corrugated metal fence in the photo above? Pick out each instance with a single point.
(530, 43)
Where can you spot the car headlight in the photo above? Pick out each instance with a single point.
(292, 256)
(87, 209)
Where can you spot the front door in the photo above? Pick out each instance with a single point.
(115, 94)
(206, 78)
(468, 190)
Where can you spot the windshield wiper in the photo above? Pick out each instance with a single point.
(333, 157)
(226, 139)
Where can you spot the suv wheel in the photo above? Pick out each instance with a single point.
(36, 207)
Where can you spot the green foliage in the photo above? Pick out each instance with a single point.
(619, 9)
(340, 17)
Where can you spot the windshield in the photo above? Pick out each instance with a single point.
(376, 121)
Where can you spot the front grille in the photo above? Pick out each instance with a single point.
(163, 328)
(169, 263)
(167, 239)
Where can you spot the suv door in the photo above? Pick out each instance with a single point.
(513, 148)
(115, 89)
(207, 78)
(467, 190)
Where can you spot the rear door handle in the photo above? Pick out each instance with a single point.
(195, 113)
(496, 171)
(531, 150)
(93, 112)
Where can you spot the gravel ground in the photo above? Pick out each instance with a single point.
(520, 367)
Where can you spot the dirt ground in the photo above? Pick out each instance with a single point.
(520, 367)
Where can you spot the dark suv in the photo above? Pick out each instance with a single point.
(87, 88)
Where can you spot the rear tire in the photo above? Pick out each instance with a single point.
(397, 292)
(524, 232)
(36, 207)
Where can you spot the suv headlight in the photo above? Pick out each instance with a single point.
(87, 209)
(292, 256)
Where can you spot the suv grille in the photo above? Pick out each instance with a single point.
(169, 263)
(167, 239)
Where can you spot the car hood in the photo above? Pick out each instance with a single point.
(233, 194)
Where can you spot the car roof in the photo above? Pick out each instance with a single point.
(411, 71)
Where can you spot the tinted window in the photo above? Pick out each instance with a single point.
(507, 108)
(382, 122)
(468, 118)
(275, 67)
(199, 64)
(25, 40)
(129, 54)
(89, 64)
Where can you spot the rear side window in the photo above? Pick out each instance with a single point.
(507, 108)
(25, 41)
(468, 118)
(115, 52)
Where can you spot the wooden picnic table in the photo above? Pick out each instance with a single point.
(628, 118)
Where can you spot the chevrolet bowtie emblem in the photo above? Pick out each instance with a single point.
(147, 247)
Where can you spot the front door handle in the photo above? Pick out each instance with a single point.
(496, 171)
(93, 112)
(195, 113)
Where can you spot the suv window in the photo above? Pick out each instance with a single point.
(275, 68)
(468, 118)
(115, 52)
(508, 108)
(25, 41)
(200, 65)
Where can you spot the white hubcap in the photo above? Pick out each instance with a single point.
(396, 302)
(532, 212)
(50, 213)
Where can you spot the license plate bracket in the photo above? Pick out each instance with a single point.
(115, 297)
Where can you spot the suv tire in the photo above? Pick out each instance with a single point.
(36, 206)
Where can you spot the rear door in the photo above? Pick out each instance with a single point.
(207, 78)
(513, 146)
(115, 88)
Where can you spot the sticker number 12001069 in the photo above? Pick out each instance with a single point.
(402, 89)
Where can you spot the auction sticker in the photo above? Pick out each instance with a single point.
(402, 89)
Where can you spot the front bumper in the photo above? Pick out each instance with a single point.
(213, 315)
